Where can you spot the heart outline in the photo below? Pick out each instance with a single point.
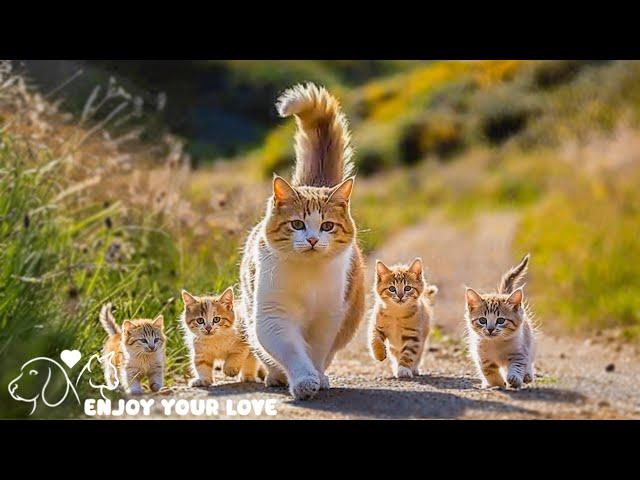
(70, 357)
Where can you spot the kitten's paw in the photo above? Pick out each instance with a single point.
(404, 372)
(155, 387)
(246, 378)
(324, 382)
(136, 390)
(514, 381)
(231, 371)
(199, 383)
(528, 378)
(305, 388)
(489, 386)
(275, 379)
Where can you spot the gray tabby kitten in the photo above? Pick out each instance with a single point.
(501, 336)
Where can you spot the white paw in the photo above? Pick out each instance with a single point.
(324, 382)
(305, 388)
(514, 380)
(199, 382)
(404, 372)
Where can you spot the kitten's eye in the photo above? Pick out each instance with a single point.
(200, 320)
(326, 226)
(216, 319)
(407, 288)
(143, 340)
(500, 320)
(297, 224)
(392, 289)
(482, 321)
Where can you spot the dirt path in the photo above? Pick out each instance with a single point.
(572, 380)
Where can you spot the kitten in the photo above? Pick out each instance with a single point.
(401, 316)
(211, 335)
(500, 333)
(137, 351)
(302, 276)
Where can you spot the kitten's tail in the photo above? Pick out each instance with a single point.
(107, 320)
(514, 277)
(322, 141)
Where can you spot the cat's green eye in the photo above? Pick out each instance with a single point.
(297, 224)
(392, 289)
(326, 226)
(407, 288)
(482, 321)
(200, 320)
(216, 319)
(500, 321)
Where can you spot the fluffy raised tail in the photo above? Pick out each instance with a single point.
(323, 152)
(107, 320)
(514, 277)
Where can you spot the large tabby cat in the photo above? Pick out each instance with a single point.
(302, 275)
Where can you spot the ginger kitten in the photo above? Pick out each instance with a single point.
(500, 333)
(211, 335)
(302, 276)
(402, 316)
(137, 351)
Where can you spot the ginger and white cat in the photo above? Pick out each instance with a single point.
(302, 276)
(209, 324)
(401, 317)
(137, 350)
(500, 332)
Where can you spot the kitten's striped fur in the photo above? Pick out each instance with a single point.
(401, 317)
(302, 271)
(500, 333)
(209, 325)
(138, 351)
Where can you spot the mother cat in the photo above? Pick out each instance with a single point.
(302, 274)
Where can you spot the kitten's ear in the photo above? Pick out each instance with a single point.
(381, 269)
(474, 299)
(158, 322)
(127, 325)
(416, 267)
(431, 291)
(227, 298)
(342, 192)
(515, 299)
(282, 191)
(187, 298)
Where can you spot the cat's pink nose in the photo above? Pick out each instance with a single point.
(208, 328)
(312, 241)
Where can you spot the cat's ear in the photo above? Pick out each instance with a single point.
(381, 269)
(515, 299)
(227, 298)
(416, 267)
(474, 299)
(431, 291)
(342, 192)
(188, 299)
(282, 191)
(127, 325)
(158, 322)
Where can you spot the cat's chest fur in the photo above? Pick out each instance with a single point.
(306, 292)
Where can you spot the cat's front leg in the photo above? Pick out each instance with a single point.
(203, 369)
(491, 374)
(378, 348)
(529, 374)
(275, 377)
(285, 344)
(133, 378)
(234, 362)
(516, 370)
(156, 378)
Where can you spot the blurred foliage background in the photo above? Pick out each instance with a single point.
(125, 181)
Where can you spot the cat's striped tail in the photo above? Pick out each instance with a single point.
(514, 277)
(322, 140)
(107, 320)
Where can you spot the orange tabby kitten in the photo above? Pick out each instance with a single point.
(210, 333)
(402, 316)
(136, 350)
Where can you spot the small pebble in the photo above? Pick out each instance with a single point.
(610, 368)
(603, 403)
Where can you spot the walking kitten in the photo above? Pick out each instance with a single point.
(302, 276)
(137, 351)
(500, 334)
(402, 316)
(211, 335)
